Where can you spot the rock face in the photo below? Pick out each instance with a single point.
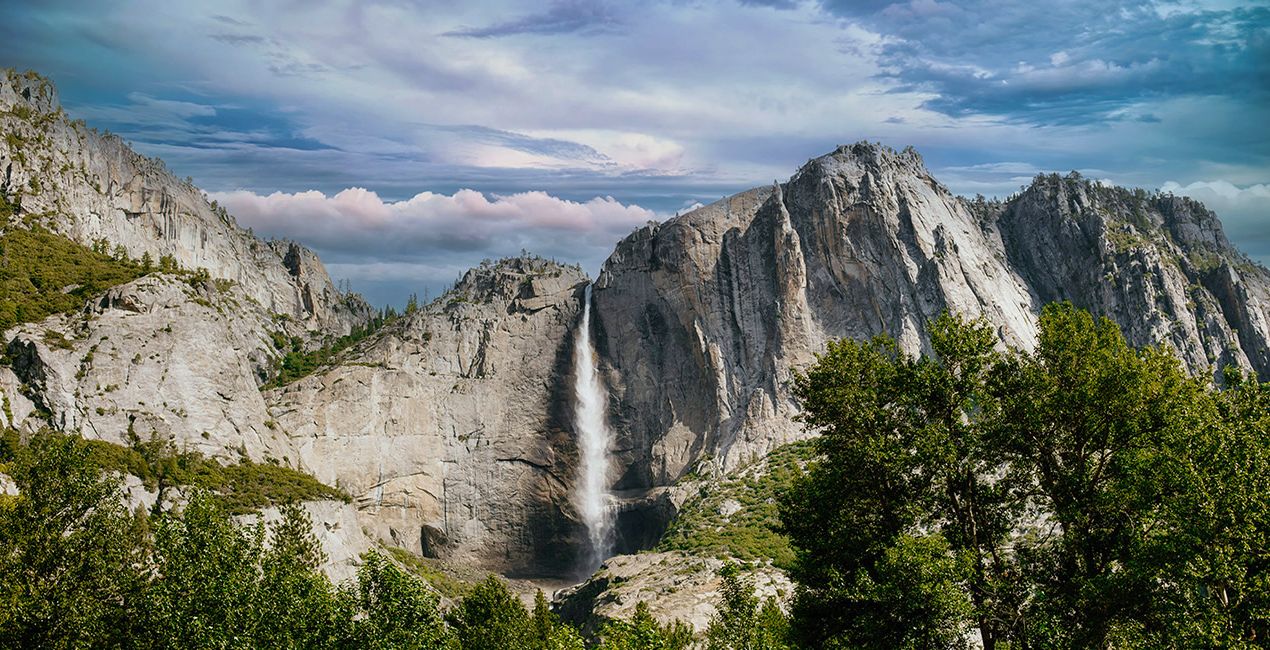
(701, 318)
(158, 357)
(675, 585)
(90, 186)
(452, 428)
(1160, 266)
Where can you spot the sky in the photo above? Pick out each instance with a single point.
(406, 140)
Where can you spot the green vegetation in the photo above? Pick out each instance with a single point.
(643, 632)
(240, 488)
(78, 570)
(298, 363)
(43, 274)
(752, 532)
(1085, 495)
(448, 585)
(740, 622)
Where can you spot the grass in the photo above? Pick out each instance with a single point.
(43, 274)
(750, 533)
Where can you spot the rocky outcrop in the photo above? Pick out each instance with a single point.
(676, 586)
(702, 318)
(1158, 265)
(91, 187)
(157, 357)
(452, 427)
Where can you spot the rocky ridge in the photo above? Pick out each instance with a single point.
(91, 186)
(452, 427)
(703, 318)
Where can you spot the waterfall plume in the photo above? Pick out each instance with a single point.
(595, 438)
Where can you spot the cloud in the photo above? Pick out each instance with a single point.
(428, 233)
(1244, 211)
(661, 105)
(585, 16)
(1067, 62)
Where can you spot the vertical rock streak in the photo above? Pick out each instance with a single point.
(594, 442)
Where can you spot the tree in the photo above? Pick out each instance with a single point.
(643, 632)
(207, 590)
(300, 607)
(67, 549)
(548, 632)
(396, 610)
(1085, 494)
(1156, 485)
(739, 623)
(902, 511)
(491, 618)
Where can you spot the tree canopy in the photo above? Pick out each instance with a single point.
(1085, 494)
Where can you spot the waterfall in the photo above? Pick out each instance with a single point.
(594, 441)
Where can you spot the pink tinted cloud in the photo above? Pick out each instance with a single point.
(358, 220)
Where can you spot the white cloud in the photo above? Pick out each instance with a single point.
(428, 236)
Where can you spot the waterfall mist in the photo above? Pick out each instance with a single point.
(594, 441)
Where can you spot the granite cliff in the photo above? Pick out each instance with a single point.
(702, 318)
(452, 426)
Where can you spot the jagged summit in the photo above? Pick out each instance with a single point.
(864, 240)
(523, 276)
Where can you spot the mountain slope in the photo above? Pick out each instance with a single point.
(91, 186)
(702, 318)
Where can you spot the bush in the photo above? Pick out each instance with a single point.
(44, 274)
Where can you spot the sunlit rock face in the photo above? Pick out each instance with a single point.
(453, 428)
(91, 186)
(702, 318)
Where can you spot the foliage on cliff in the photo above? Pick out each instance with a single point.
(239, 488)
(42, 274)
(298, 362)
(736, 517)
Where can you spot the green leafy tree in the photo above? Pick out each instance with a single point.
(395, 609)
(1086, 494)
(491, 618)
(1156, 485)
(67, 549)
(739, 623)
(207, 591)
(904, 480)
(643, 632)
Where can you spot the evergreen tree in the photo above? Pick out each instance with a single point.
(739, 623)
(491, 618)
(395, 610)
